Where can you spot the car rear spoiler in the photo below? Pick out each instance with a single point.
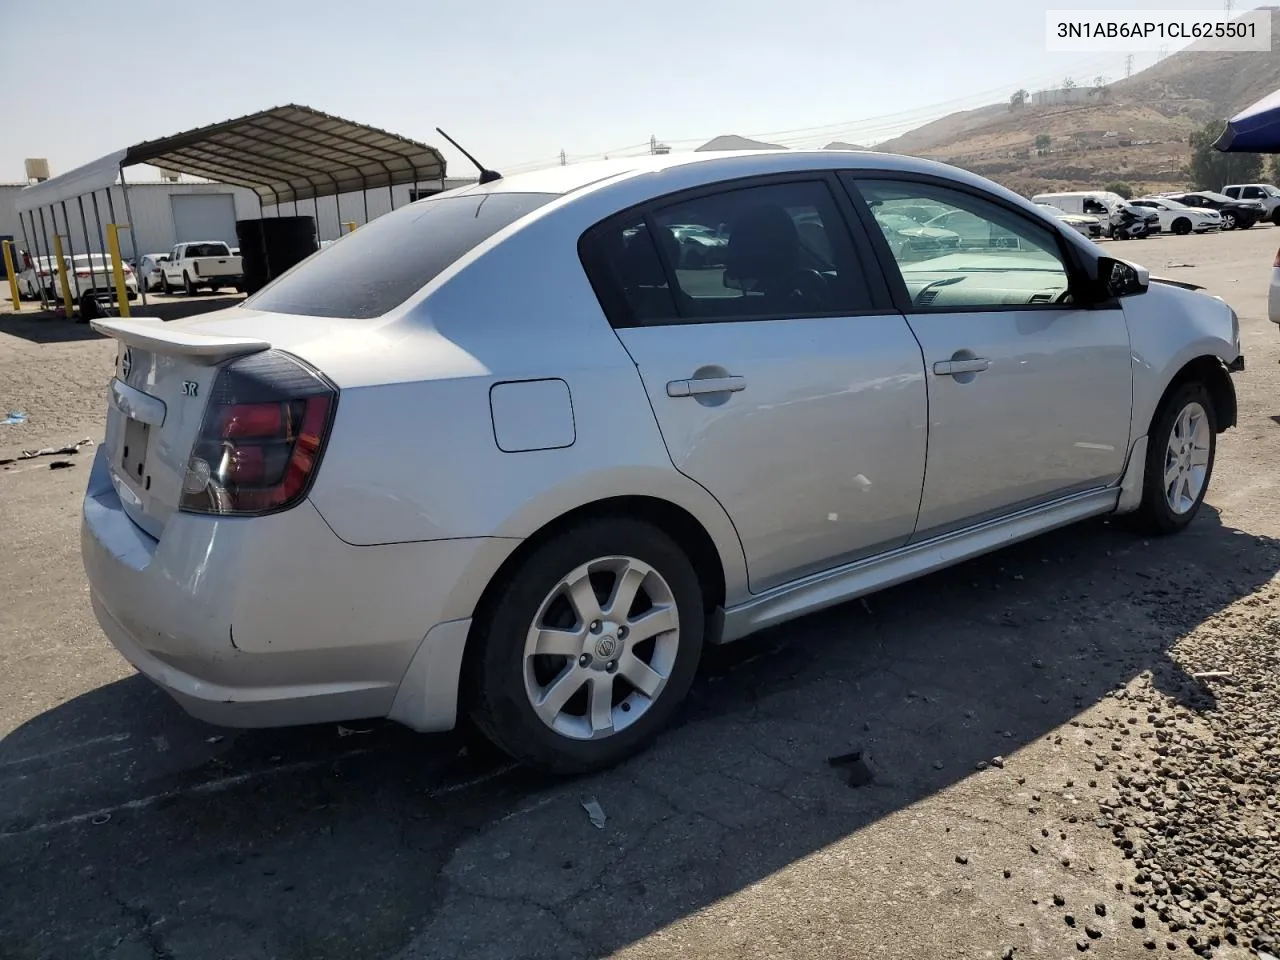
(1184, 284)
(153, 335)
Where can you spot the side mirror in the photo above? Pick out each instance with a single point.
(1119, 278)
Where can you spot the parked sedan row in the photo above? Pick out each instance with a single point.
(86, 274)
(1235, 214)
(621, 455)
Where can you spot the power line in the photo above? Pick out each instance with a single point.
(873, 129)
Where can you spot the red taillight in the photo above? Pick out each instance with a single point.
(253, 420)
(195, 267)
(82, 273)
(261, 438)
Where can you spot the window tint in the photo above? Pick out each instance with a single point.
(779, 250)
(385, 262)
(1253, 193)
(207, 250)
(974, 254)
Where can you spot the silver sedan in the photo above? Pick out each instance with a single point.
(506, 453)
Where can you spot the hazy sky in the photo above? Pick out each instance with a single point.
(517, 82)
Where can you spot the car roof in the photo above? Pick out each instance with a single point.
(573, 177)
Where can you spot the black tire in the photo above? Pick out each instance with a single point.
(90, 309)
(1181, 226)
(494, 675)
(1228, 221)
(1275, 216)
(1245, 224)
(164, 285)
(1155, 516)
(188, 287)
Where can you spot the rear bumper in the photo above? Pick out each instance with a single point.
(274, 621)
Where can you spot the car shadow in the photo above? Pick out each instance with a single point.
(356, 840)
(46, 326)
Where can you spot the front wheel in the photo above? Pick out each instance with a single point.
(1182, 226)
(1180, 453)
(1228, 221)
(590, 648)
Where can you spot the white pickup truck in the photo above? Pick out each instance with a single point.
(1264, 193)
(208, 263)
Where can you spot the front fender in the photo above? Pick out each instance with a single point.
(1169, 328)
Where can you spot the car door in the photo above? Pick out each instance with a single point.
(781, 376)
(1029, 394)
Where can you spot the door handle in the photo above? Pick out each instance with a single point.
(949, 368)
(693, 388)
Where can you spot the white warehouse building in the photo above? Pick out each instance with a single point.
(169, 212)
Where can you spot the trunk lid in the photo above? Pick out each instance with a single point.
(156, 403)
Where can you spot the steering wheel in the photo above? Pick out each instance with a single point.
(808, 288)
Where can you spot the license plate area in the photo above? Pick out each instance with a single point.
(133, 453)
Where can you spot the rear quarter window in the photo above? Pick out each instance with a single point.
(382, 264)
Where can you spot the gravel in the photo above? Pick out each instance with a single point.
(1194, 803)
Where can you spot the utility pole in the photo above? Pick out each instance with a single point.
(1228, 5)
(1128, 66)
(1164, 52)
(563, 159)
(653, 143)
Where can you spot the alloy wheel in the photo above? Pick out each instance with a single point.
(1186, 459)
(601, 648)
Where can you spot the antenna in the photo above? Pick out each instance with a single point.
(1128, 66)
(486, 175)
(563, 159)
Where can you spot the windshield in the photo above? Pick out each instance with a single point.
(382, 264)
(1216, 196)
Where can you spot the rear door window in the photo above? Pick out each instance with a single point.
(382, 264)
(772, 251)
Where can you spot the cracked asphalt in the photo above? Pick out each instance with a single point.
(129, 830)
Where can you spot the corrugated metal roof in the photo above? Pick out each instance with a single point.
(284, 154)
(293, 152)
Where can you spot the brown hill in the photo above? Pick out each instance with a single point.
(1134, 130)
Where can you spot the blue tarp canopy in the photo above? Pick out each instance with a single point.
(1255, 129)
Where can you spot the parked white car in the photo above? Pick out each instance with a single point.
(1178, 218)
(526, 473)
(208, 265)
(37, 273)
(86, 274)
(1084, 224)
(149, 270)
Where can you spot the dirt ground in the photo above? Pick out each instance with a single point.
(1045, 769)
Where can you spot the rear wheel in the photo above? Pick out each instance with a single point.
(1182, 226)
(164, 285)
(90, 309)
(1180, 453)
(590, 649)
(188, 287)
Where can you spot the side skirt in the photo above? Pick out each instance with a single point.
(854, 580)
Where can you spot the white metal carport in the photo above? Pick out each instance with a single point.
(284, 154)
